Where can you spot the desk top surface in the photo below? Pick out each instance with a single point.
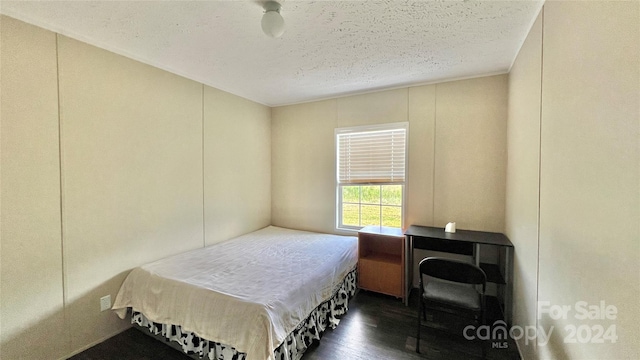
(382, 230)
(480, 237)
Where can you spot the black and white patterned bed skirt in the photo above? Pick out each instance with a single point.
(294, 345)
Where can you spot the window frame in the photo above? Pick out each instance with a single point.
(338, 186)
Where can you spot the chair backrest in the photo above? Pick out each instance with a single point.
(453, 270)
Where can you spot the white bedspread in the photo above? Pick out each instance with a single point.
(249, 292)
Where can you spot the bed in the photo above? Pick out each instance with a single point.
(263, 295)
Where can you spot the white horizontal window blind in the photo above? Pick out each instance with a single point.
(370, 157)
(371, 172)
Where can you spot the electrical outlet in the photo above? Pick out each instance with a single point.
(105, 303)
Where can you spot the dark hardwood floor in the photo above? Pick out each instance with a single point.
(376, 327)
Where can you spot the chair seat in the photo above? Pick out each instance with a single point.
(462, 296)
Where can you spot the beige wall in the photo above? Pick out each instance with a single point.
(31, 295)
(522, 195)
(237, 165)
(302, 171)
(373, 108)
(587, 70)
(471, 153)
(589, 175)
(457, 153)
(131, 140)
(422, 120)
(144, 157)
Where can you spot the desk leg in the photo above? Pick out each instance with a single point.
(408, 268)
(509, 285)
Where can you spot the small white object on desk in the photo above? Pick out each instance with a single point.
(450, 228)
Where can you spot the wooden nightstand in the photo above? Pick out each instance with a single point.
(381, 260)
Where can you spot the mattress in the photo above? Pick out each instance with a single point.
(249, 292)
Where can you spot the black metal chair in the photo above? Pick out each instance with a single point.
(457, 295)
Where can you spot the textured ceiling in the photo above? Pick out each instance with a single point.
(330, 48)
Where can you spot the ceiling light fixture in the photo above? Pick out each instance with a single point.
(272, 21)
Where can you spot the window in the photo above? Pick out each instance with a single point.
(371, 175)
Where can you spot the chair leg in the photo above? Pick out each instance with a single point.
(483, 343)
(482, 347)
(420, 312)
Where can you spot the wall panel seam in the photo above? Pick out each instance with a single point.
(204, 228)
(66, 333)
(433, 167)
(539, 168)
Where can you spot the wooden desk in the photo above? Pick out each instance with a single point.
(464, 242)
